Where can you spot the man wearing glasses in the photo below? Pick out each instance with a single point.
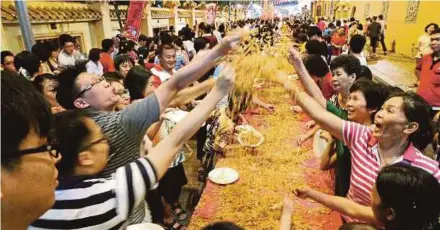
(68, 55)
(125, 129)
(28, 173)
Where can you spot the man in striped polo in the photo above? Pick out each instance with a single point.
(125, 129)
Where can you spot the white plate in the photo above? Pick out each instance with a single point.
(223, 175)
(145, 226)
(242, 142)
(319, 144)
(243, 128)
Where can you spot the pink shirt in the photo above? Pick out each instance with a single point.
(365, 162)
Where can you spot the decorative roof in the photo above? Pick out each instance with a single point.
(122, 12)
(183, 14)
(49, 14)
(161, 14)
(200, 14)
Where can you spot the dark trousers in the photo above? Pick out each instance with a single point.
(382, 42)
(374, 41)
(201, 139)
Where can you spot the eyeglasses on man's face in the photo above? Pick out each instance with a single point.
(90, 86)
(51, 149)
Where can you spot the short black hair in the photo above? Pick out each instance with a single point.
(41, 50)
(316, 66)
(65, 38)
(113, 76)
(123, 58)
(380, 17)
(222, 225)
(314, 30)
(106, 44)
(436, 31)
(23, 109)
(27, 61)
(412, 193)
(142, 37)
(178, 42)
(357, 43)
(366, 73)
(431, 24)
(67, 87)
(126, 46)
(374, 18)
(316, 47)
(136, 81)
(71, 134)
(5, 54)
(375, 94)
(163, 47)
(349, 63)
(39, 80)
(200, 44)
(207, 29)
(94, 54)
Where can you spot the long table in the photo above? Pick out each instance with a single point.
(267, 173)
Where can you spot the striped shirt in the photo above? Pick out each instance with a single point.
(365, 163)
(99, 203)
(125, 130)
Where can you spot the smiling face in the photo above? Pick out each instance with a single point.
(168, 59)
(357, 108)
(390, 121)
(124, 68)
(341, 81)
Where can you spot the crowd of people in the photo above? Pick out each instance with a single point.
(114, 160)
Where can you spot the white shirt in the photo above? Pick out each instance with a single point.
(362, 58)
(94, 68)
(65, 59)
(382, 26)
(424, 45)
(189, 46)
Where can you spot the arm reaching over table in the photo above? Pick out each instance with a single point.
(163, 153)
(306, 80)
(339, 204)
(287, 213)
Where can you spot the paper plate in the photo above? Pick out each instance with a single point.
(319, 144)
(145, 226)
(223, 176)
(241, 140)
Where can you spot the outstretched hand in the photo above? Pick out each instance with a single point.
(302, 192)
(233, 39)
(294, 56)
(226, 80)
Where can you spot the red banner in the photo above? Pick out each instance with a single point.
(134, 18)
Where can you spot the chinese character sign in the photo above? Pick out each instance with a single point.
(134, 19)
(211, 11)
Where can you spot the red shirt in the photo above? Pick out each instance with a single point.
(321, 25)
(327, 87)
(365, 162)
(429, 87)
(107, 62)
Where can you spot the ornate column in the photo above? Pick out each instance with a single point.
(101, 29)
(148, 21)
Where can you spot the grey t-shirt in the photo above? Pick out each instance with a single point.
(125, 130)
(374, 30)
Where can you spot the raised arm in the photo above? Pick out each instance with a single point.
(339, 204)
(163, 153)
(192, 72)
(306, 80)
(188, 94)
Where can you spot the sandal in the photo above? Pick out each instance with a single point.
(171, 226)
(180, 213)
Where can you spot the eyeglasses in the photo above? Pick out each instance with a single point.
(53, 151)
(103, 139)
(90, 86)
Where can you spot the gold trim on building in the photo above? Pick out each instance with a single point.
(51, 14)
